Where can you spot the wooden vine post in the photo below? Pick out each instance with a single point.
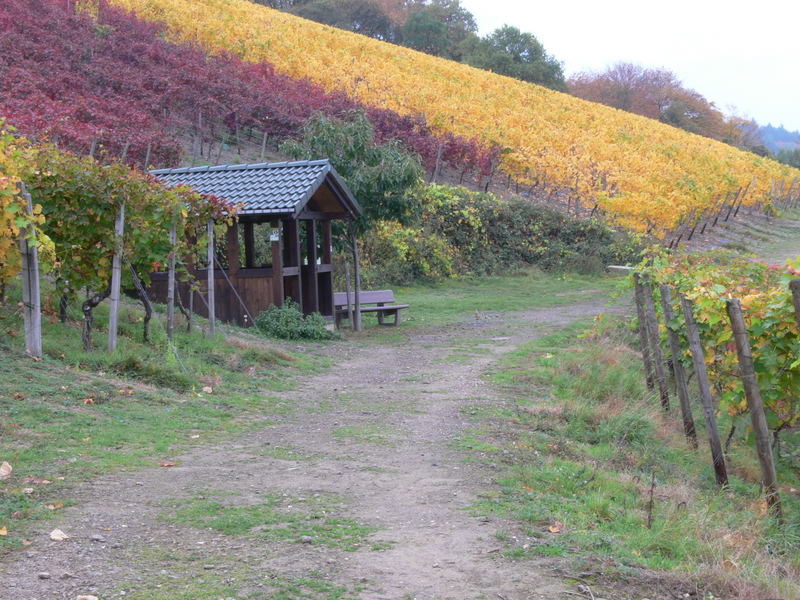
(644, 341)
(794, 285)
(173, 238)
(31, 297)
(212, 315)
(116, 278)
(655, 342)
(681, 384)
(709, 410)
(756, 406)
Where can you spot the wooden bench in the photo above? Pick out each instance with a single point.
(381, 302)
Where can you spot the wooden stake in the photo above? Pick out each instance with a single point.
(679, 372)
(794, 285)
(709, 412)
(655, 342)
(173, 238)
(191, 309)
(116, 279)
(756, 406)
(31, 297)
(644, 341)
(212, 316)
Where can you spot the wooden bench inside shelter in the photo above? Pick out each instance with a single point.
(381, 302)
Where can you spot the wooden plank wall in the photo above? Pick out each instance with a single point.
(255, 286)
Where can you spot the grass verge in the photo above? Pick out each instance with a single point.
(591, 469)
(314, 520)
(75, 414)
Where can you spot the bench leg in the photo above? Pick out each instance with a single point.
(382, 317)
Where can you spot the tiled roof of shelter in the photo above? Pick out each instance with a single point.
(263, 188)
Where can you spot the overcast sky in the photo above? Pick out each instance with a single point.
(737, 54)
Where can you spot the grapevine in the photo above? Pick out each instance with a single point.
(708, 281)
(647, 174)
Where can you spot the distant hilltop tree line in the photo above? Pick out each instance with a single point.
(439, 27)
(445, 28)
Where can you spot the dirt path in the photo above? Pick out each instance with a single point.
(372, 440)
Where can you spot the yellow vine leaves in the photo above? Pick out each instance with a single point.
(649, 175)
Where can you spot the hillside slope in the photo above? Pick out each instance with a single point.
(114, 85)
(649, 174)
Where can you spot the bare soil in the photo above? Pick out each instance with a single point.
(404, 476)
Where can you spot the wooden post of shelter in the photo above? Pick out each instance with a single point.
(681, 385)
(312, 287)
(756, 405)
(31, 297)
(357, 283)
(212, 316)
(699, 361)
(655, 342)
(234, 264)
(116, 279)
(173, 238)
(348, 290)
(277, 262)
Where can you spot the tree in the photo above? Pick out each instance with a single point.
(458, 21)
(509, 51)
(424, 32)
(360, 16)
(378, 175)
(654, 93)
(789, 157)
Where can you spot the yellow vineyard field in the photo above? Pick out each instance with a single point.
(647, 174)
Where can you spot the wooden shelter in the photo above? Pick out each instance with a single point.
(284, 227)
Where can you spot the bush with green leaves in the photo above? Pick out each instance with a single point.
(459, 231)
(287, 322)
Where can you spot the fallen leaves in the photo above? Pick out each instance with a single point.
(55, 506)
(84, 597)
(556, 527)
(165, 463)
(36, 480)
(88, 401)
(207, 389)
(58, 536)
(5, 470)
(3, 531)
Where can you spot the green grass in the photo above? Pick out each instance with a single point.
(185, 577)
(578, 441)
(369, 433)
(277, 519)
(74, 415)
(458, 300)
(287, 453)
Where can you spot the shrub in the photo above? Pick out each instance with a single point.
(402, 255)
(458, 231)
(288, 323)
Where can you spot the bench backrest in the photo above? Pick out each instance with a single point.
(375, 297)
